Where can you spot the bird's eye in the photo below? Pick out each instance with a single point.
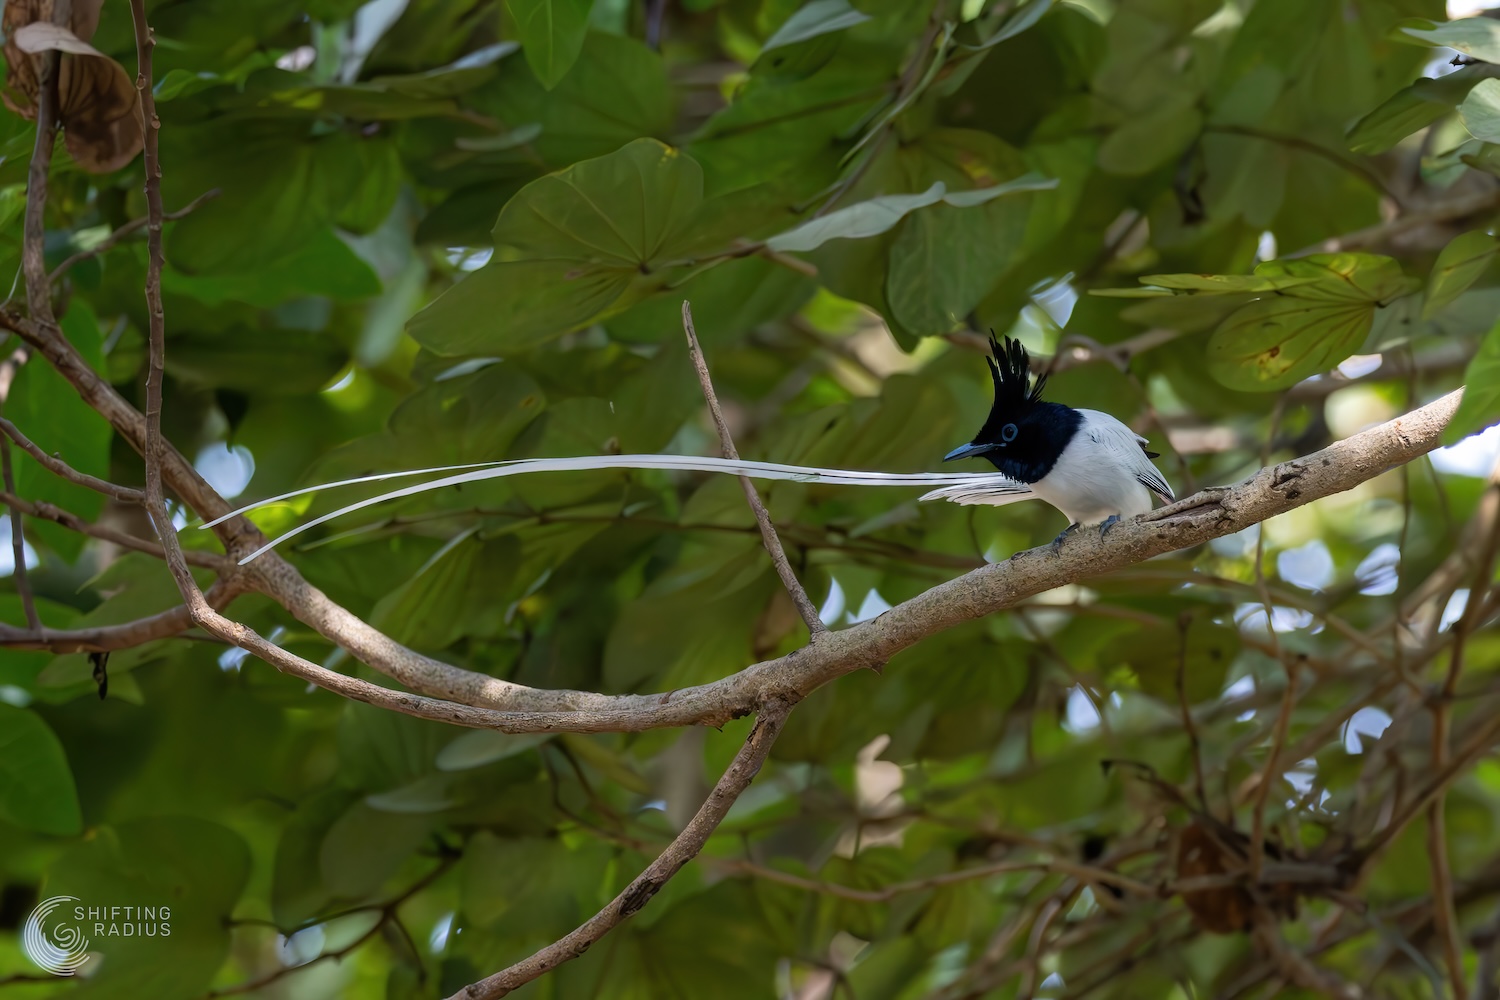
(1008, 433)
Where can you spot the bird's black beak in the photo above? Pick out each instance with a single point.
(968, 451)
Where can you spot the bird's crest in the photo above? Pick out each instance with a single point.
(1010, 368)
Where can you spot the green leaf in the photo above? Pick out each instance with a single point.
(322, 264)
(577, 240)
(630, 209)
(1275, 343)
(270, 361)
(552, 33)
(366, 846)
(36, 785)
(484, 746)
(878, 215)
(1460, 264)
(820, 17)
(192, 867)
(1413, 108)
(616, 92)
(1148, 141)
(1222, 284)
(297, 889)
(452, 80)
(514, 305)
(1157, 653)
(280, 187)
(1307, 328)
(1481, 403)
(1341, 277)
(530, 887)
(1018, 22)
(453, 595)
(1481, 111)
(1473, 36)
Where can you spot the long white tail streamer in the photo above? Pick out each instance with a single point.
(996, 488)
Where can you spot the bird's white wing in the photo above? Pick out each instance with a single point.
(995, 491)
(1129, 448)
(964, 486)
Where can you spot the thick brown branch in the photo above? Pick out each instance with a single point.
(517, 708)
(648, 883)
(805, 607)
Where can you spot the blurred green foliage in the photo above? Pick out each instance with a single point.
(461, 230)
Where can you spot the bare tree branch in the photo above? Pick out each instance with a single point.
(18, 542)
(648, 883)
(71, 521)
(805, 607)
(63, 470)
(107, 638)
(517, 708)
(8, 371)
(134, 225)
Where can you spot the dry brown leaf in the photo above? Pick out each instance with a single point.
(1224, 910)
(98, 106)
(84, 19)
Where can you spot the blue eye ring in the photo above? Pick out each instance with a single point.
(1008, 433)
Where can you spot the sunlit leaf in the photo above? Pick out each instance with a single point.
(1473, 36)
(1481, 402)
(1481, 111)
(36, 785)
(819, 17)
(1460, 264)
(552, 33)
(873, 217)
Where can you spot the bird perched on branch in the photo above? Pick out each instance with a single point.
(1085, 463)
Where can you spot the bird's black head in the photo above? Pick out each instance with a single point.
(1024, 434)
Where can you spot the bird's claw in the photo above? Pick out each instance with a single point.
(1109, 522)
(1057, 542)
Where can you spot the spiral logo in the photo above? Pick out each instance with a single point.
(58, 950)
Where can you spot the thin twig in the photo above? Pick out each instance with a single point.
(63, 470)
(125, 635)
(805, 607)
(113, 239)
(1184, 623)
(386, 914)
(1445, 913)
(1271, 774)
(1086, 873)
(156, 508)
(18, 543)
(8, 370)
(50, 512)
(1035, 950)
(638, 893)
(34, 232)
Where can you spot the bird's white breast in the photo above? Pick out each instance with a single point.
(1095, 477)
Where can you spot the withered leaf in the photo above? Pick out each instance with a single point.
(98, 106)
(1224, 910)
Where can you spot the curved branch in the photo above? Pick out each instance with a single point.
(638, 893)
(468, 698)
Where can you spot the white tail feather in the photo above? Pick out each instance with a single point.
(966, 484)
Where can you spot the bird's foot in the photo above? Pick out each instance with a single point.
(1057, 542)
(1109, 522)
